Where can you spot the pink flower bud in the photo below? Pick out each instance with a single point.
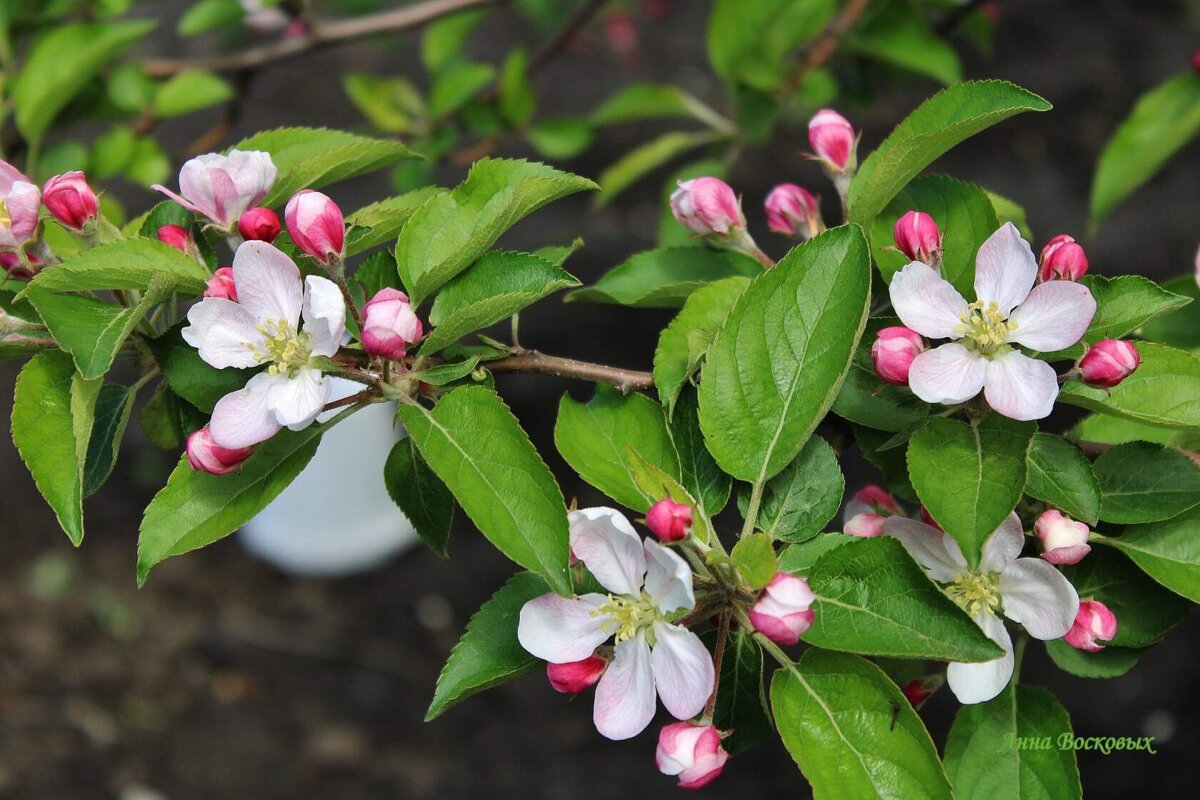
(11, 264)
(1196, 61)
(389, 323)
(708, 207)
(928, 519)
(620, 29)
(259, 224)
(577, 676)
(917, 236)
(669, 521)
(19, 214)
(919, 690)
(221, 187)
(177, 236)
(205, 455)
(1064, 541)
(1108, 362)
(1063, 259)
(1094, 621)
(693, 752)
(782, 612)
(893, 353)
(316, 225)
(793, 211)
(877, 497)
(833, 140)
(70, 200)
(864, 525)
(221, 285)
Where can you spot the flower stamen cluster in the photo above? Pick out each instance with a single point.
(984, 328)
(976, 592)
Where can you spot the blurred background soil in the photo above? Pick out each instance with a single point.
(224, 679)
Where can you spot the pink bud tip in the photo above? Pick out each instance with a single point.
(708, 207)
(316, 225)
(1108, 362)
(928, 519)
(259, 224)
(1093, 622)
(576, 676)
(793, 211)
(221, 285)
(389, 324)
(693, 752)
(176, 236)
(669, 521)
(916, 692)
(783, 611)
(865, 525)
(205, 455)
(70, 200)
(10, 263)
(1063, 259)
(833, 140)
(917, 236)
(1064, 540)
(893, 352)
(1196, 61)
(878, 497)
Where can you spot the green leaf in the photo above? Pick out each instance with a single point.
(987, 752)
(475, 445)
(517, 98)
(698, 473)
(656, 483)
(1164, 390)
(799, 501)
(872, 598)
(188, 91)
(866, 400)
(1111, 662)
(741, 702)
(457, 84)
(1163, 121)
(1116, 430)
(560, 138)
(798, 559)
(1144, 610)
(127, 264)
(382, 221)
(643, 101)
(891, 461)
(1181, 327)
(1123, 304)
(189, 376)
(495, 287)
(196, 509)
(309, 158)
(1060, 474)
(900, 35)
(646, 158)
(684, 342)
(949, 117)
(851, 731)
(748, 42)
(148, 164)
(444, 39)
(160, 419)
(419, 493)
(665, 278)
(114, 403)
(1167, 551)
(778, 362)
(389, 103)
(754, 557)
(488, 653)
(1010, 211)
(452, 230)
(1144, 482)
(591, 437)
(970, 476)
(208, 14)
(61, 63)
(111, 152)
(129, 88)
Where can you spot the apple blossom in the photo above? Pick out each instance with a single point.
(693, 752)
(833, 140)
(1108, 362)
(1093, 622)
(669, 521)
(648, 587)
(177, 236)
(1008, 311)
(221, 284)
(263, 328)
(222, 187)
(20, 202)
(893, 352)
(316, 225)
(1026, 590)
(866, 511)
(1063, 259)
(70, 200)
(783, 611)
(1064, 541)
(793, 211)
(917, 236)
(260, 224)
(205, 455)
(389, 324)
(576, 676)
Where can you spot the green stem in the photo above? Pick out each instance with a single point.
(752, 511)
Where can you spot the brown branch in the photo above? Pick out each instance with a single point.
(531, 361)
(357, 397)
(825, 45)
(572, 26)
(320, 34)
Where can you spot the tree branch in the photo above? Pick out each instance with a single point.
(825, 45)
(531, 361)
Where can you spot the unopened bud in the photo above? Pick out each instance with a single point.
(205, 455)
(1093, 622)
(893, 352)
(70, 200)
(1063, 259)
(669, 521)
(1108, 362)
(783, 611)
(693, 752)
(793, 211)
(708, 207)
(833, 141)
(576, 676)
(316, 225)
(221, 285)
(1064, 540)
(389, 325)
(177, 236)
(917, 236)
(259, 224)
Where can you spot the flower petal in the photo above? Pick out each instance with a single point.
(683, 670)
(935, 551)
(927, 302)
(668, 579)
(297, 401)
(244, 418)
(1005, 269)
(562, 629)
(268, 283)
(980, 682)
(1054, 316)
(1020, 387)
(223, 332)
(625, 695)
(609, 547)
(324, 315)
(1039, 597)
(948, 374)
(1003, 546)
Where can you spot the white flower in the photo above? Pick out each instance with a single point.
(1052, 316)
(1026, 590)
(221, 187)
(648, 586)
(263, 327)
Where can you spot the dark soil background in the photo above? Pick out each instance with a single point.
(224, 679)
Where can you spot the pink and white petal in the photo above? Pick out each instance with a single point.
(1003, 546)
(195, 183)
(244, 418)
(562, 630)
(1039, 597)
(625, 695)
(927, 302)
(158, 187)
(324, 315)
(609, 547)
(948, 374)
(980, 682)
(1005, 269)
(223, 333)
(856, 507)
(936, 552)
(297, 401)
(668, 579)
(1054, 316)
(268, 283)
(683, 670)
(1020, 387)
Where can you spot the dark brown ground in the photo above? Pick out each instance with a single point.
(224, 679)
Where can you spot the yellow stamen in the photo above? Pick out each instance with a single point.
(984, 329)
(628, 615)
(283, 347)
(975, 592)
